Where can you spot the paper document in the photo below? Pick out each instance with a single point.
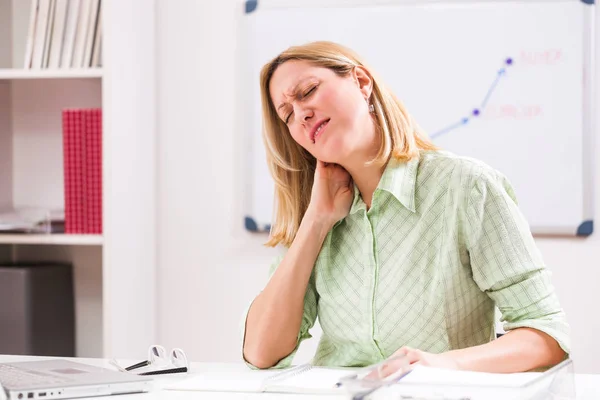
(421, 382)
(301, 379)
(445, 376)
(435, 383)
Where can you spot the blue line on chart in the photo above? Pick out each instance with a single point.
(476, 112)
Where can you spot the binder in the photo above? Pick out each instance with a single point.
(82, 146)
(93, 170)
(73, 171)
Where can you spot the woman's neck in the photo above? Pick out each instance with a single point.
(366, 177)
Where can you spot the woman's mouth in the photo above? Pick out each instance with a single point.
(320, 129)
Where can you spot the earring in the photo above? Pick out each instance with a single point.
(371, 108)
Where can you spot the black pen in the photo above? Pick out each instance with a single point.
(138, 365)
(339, 384)
(166, 371)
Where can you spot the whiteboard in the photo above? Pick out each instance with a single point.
(509, 83)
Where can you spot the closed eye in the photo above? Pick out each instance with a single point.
(287, 119)
(307, 93)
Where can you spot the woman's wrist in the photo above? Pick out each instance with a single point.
(317, 222)
(455, 357)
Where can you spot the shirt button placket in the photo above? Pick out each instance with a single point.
(373, 262)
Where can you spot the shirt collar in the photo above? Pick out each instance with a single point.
(399, 179)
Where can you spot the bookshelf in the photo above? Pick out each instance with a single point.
(8, 74)
(114, 273)
(55, 239)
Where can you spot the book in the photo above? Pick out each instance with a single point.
(97, 40)
(80, 33)
(49, 31)
(39, 40)
(69, 37)
(304, 378)
(90, 34)
(31, 33)
(58, 32)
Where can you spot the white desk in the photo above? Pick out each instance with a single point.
(587, 386)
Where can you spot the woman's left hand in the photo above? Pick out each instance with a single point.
(406, 358)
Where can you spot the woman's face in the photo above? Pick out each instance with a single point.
(326, 114)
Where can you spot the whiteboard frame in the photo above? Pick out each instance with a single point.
(589, 44)
(252, 5)
(586, 227)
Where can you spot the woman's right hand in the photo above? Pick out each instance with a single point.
(332, 193)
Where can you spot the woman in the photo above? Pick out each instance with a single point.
(398, 247)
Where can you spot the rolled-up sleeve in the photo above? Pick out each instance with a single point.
(309, 317)
(506, 263)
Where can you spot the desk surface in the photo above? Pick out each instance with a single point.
(587, 386)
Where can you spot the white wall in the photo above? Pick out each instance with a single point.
(6, 143)
(209, 267)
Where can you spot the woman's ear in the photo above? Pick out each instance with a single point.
(363, 79)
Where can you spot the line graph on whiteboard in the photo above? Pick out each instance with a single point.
(546, 57)
(478, 110)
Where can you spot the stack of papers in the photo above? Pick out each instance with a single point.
(434, 383)
(29, 220)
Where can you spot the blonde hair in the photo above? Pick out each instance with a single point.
(292, 167)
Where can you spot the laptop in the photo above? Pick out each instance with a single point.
(62, 379)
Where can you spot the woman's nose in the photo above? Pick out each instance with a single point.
(306, 114)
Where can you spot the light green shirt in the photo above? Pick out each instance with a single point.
(442, 244)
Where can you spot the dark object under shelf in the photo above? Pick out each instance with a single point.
(37, 309)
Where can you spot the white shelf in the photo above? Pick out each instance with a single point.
(32, 171)
(14, 73)
(57, 239)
